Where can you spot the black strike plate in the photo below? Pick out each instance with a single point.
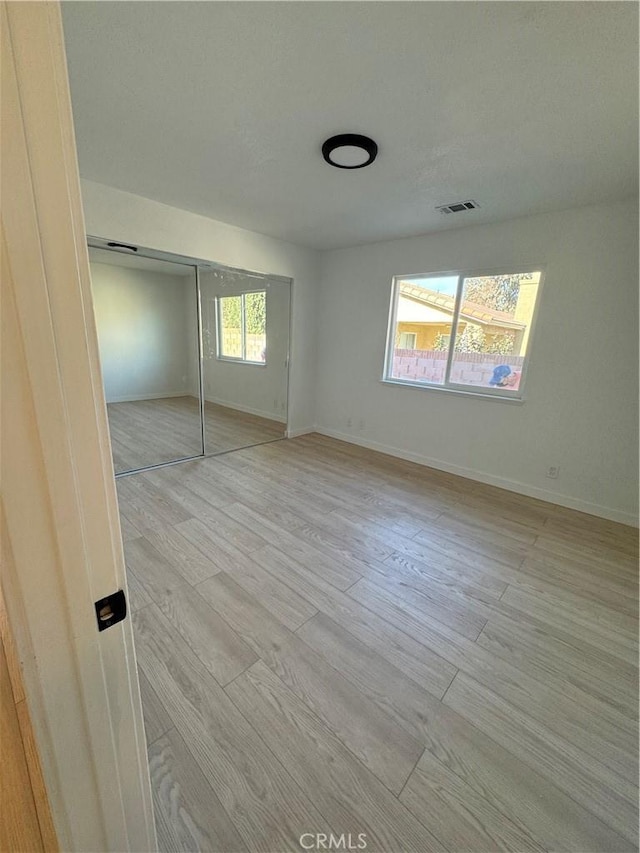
(111, 609)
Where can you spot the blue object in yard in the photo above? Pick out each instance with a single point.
(500, 373)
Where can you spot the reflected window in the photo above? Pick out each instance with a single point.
(242, 327)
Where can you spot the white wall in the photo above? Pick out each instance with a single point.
(130, 218)
(147, 332)
(258, 389)
(580, 410)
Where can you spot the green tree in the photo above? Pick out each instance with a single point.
(441, 342)
(499, 292)
(256, 313)
(501, 345)
(231, 307)
(471, 340)
(255, 307)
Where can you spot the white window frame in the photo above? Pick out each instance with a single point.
(456, 387)
(243, 322)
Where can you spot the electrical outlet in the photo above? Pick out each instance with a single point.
(349, 423)
(361, 425)
(553, 471)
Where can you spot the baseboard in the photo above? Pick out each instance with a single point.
(132, 398)
(238, 407)
(294, 433)
(482, 477)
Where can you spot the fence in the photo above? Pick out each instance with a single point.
(468, 368)
(232, 345)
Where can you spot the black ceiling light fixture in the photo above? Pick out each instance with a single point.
(349, 151)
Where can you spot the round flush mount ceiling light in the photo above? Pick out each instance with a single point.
(349, 151)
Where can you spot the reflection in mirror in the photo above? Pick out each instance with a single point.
(245, 330)
(147, 322)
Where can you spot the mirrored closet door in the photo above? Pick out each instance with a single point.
(195, 356)
(146, 313)
(245, 332)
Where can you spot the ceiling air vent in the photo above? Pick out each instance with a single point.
(457, 207)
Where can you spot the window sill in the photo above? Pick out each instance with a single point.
(517, 401)
(241, 361)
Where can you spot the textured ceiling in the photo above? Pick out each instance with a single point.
(221, 108)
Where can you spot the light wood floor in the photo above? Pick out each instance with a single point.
(228, 429)
(149, 432)
(334, 641)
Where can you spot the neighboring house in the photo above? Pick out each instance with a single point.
(424, 314)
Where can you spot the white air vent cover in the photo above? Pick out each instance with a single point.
(457, 206)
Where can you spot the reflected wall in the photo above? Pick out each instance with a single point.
(147, 323)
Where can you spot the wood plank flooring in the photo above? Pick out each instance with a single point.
(149, 432)
(335, 641)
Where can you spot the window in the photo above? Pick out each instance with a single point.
(242, 327)
(407, 340)
(488, 317)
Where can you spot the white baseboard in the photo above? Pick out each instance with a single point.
(482, 477)
(294, 433)
(132, 398)
(247, 409)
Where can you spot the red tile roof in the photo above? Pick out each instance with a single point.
(470, 310)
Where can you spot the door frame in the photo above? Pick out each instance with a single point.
(61, 531)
